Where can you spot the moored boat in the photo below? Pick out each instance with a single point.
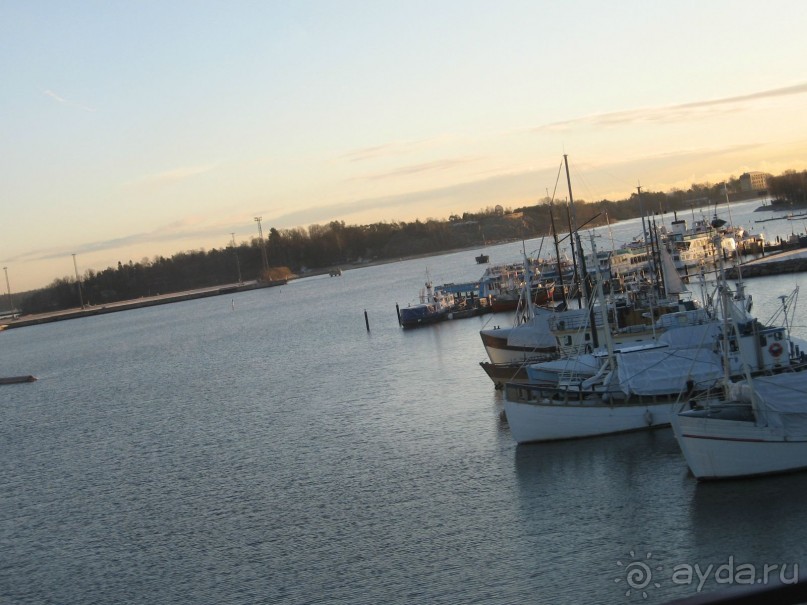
(755, 424)
(759, 427)
(434, 306)
(639, 388)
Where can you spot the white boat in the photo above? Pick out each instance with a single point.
(758, 428)
(522, 342)
(755, 426)
(548, 420)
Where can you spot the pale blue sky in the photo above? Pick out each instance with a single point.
(132, 129)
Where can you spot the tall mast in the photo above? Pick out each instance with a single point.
(571, 198)
(557, 251)
(659, 269)
(609, 344)
(574, 259)
(581, 279)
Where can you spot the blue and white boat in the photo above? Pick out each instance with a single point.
(435, 305)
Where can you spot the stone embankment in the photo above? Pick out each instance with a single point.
(125, 305)
(792, 261)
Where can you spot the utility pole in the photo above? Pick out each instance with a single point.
(237, 264)
(8, 288)
(263, 246)
(78, 283)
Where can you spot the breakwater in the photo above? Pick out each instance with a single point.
(793, 261)
(146, 301)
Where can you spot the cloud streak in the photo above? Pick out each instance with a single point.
(67, 102)
(674, 113)
(169, 177)
(436, 166)
(188, 229)
(379, 151)
(396, 148)
(515, 188)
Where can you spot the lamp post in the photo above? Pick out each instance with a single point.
(78, 282)
(8, 289)
(263, 246)
(237, 264)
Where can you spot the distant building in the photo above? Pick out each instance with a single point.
(498, 210)
(752, 181)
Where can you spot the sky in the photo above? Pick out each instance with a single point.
(136, 129)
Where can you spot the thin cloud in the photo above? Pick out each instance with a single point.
(395, 148)
(67, 102)
(675, 113)
(435, 166)
(513, 188)
(377, 151)
(169, 177)
(186, 229)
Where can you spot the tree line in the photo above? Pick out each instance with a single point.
(298, 251)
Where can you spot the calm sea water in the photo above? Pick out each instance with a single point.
(267, 448)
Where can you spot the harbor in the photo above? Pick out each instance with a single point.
(374, 462)
(316, 303)
(190, 429)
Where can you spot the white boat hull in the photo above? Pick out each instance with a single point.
(540, 421)
(722, 449)
(500, 351)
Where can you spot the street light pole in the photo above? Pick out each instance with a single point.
(78, 282)
(263, 246)
(8, 288)
(237, 264)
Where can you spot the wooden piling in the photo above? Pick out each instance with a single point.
(366, 321)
